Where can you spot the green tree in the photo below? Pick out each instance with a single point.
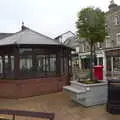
(91, 26)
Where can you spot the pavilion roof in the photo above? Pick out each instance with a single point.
(3, 35)
(28, 36)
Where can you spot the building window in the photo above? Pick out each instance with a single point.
(99, 45)
(116, 63)
(46, 64)
(12, 63)
(87, 47)
(6, 67)
(65, 64)
(40, 63)
(77, 49)
(26, 63)
(8, 62)
(52, 63)
(108, 42)
(117, 20)
(118, 38)
(1, 65)
(100, 61)
(83, 48)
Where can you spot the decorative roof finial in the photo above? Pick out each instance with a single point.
(22, 23)
(112, 2)
(23, 27)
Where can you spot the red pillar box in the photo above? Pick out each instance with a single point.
(98, 72)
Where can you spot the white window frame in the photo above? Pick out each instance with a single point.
(107, 44)
(77, 49)
(26, 62)
(12, 63)
(99, 45)
(83, 48)
(117, 39)
(117, 20)
(1, 65)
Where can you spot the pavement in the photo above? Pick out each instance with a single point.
(59, 103)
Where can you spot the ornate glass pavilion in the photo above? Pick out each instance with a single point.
(32, 63)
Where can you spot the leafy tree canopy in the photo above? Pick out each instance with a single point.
(91, 25)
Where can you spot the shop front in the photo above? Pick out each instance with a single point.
(113, 62)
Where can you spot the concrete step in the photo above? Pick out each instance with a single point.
(73, 89)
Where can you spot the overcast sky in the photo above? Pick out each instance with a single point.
(50, 17)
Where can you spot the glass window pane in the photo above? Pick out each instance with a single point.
(40, 63)
(46, 64)
(1, 65)
(26, 63)
(12, 63)
(116, 63)
(52, 63)
(6, 64)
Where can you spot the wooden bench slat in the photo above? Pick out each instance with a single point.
(28, 113)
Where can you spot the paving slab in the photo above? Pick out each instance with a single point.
(59, 103)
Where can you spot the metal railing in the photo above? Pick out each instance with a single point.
(14, 113)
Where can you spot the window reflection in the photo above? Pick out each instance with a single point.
(26, 63)
(46, 63)
(1, 65)
(116, 63)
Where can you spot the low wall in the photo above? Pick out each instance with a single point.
(31, 87)
(93, 94)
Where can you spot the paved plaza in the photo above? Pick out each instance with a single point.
(61, 105)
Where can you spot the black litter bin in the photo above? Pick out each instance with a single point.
(113, 103)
